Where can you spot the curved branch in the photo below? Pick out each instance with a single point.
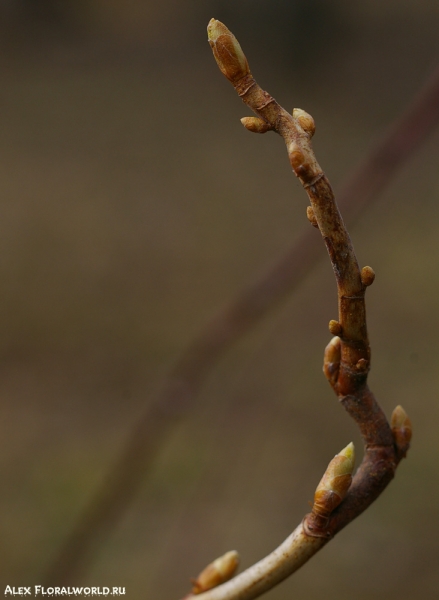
(294, 552)
(182, 384)
(347, 357)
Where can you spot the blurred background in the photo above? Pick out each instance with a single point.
(133, 206)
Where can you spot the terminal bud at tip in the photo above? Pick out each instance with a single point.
(227, 51)
(219, 571)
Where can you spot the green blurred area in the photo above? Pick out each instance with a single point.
(133, 206)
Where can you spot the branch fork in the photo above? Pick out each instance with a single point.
(340, 496)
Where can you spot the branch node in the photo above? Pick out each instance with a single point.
(267, 102)
(244, 85)
(312, 530)
(311, 182)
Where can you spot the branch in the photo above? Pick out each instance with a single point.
(182, 384)
(338, 499)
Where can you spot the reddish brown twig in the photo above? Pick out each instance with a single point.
(338, 499)
(181, 385)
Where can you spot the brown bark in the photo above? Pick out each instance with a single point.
(182, 384)
(347, 358)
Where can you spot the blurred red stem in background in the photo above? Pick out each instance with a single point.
(181, 386)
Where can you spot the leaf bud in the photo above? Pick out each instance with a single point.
(367, 276)
(219, 571)
(335, 327)
(305, 121)
(227, 52)
(311, 216)
(255, 124)
(401, 429)
(297, 158)
(335, 483)
(331, 359)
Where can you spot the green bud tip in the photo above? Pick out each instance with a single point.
(227, 52)
(347, 467)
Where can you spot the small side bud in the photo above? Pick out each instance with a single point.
(219, 571)
(401, 429)
(227, 52)
(367, 276)
(335, 327)
(362, 365)
(302, 166)
(331, 360)
(335, 483)
(296, 159)
(255, 124)
(305, 121)
(311, 216)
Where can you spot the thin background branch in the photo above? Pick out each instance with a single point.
(180, 388)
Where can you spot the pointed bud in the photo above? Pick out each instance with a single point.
(255, 124)
(401, 429)
(331, 359)
(220, 570)
(335, 483)
(305, 121)
(227, 51)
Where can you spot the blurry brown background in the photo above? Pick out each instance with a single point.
(133, 206)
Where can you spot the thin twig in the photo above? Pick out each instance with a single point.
(338, 500)
(181, 386)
